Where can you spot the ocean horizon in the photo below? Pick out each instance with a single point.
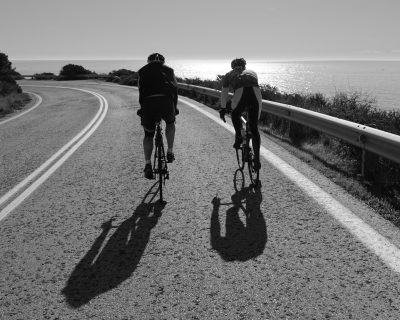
(373, 79)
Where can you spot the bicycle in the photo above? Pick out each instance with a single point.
(245, 154)
(160, 166)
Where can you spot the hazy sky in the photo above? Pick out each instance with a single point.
(186, 29)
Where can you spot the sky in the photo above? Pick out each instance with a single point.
(201, 29)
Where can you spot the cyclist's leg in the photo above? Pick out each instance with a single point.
(254, 112)
(148, 144)
(148, 123)
(168, 115)
(237, 123)
(170, 134)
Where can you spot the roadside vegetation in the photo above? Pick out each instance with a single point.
(11, 95)
(76, 72)
(69, 72)
(123, 76)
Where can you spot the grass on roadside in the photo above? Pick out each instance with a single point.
(12, 102)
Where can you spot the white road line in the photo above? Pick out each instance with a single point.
(34, 174)
(381, 246)
(72, 145)
(38, 102)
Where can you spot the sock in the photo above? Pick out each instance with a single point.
(169, 150)
(148, 161)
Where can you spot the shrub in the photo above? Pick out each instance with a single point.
(124, 77)
(13, 101)
(44, 76)
(75, 72)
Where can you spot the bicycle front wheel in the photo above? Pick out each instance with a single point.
(238, 180)
(240, 157)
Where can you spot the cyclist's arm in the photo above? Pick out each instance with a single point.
(224, 97)
(175, 83)
(140, 91)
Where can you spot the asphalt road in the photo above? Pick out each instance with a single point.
(90, 241)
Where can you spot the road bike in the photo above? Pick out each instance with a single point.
(160, 167)
(245, 154)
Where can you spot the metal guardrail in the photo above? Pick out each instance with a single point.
(369, 139)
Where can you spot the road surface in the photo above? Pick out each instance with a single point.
(83, 237)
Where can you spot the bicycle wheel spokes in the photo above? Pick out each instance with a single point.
(240, 158)
(238, 180)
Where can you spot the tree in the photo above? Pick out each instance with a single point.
(5, 64)
(7, 74)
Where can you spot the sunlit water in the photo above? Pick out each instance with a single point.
(374, 79)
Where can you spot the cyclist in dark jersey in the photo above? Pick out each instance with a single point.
(246, 97)
(158, 97)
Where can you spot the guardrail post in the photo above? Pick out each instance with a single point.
(363, 163)
(369, 161)
(362, 138)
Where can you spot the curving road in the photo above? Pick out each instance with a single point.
(84, 238)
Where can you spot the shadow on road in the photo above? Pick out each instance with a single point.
(103, 270)
(242, 241)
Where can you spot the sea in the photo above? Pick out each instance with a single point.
(374, 80)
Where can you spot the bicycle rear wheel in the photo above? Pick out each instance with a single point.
(159, 163)
(160, 170)
(254, 174)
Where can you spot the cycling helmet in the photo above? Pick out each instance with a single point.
(238, 62)
(156, 57)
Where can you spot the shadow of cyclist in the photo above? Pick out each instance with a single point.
(242, 241)
(102, 270)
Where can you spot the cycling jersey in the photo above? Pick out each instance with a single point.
(156, 79)
(237, 79)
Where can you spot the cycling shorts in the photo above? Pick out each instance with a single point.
(155, 108)
(248, 102)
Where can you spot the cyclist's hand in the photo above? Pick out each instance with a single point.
(139, 112)
(222, 113)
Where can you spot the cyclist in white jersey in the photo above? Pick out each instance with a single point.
(246, 97)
